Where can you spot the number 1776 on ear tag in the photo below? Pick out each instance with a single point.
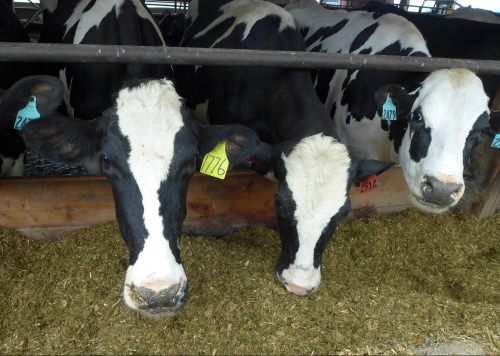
(215, 162)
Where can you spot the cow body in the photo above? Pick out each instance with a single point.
(440, 115)
(480, 15)
(90, 88)
(280, 105)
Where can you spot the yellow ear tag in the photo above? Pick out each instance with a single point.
(215, 162)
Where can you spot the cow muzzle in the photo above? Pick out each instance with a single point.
(441, 191)
(156, 297)
(299, 280)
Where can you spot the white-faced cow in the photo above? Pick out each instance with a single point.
(148, 147)
(439, 115)
(312, 167)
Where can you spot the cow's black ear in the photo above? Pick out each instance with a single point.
(62, 139)
(47, 90)
(399, 96)
(495, 121)
(363, 169)
(241, 142)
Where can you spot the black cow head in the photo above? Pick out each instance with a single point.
(46, 92)
(148, 148)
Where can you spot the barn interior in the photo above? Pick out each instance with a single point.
(396, 280)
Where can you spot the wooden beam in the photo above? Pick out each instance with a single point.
(47, 208)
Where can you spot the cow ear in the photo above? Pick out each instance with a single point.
(62, 139)
(495, 121)
(241, 142)
(47, 90)
(399, 96)
(363, 169)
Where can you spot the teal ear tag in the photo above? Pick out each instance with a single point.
(27, 114)
(496, 141)
(389, 110)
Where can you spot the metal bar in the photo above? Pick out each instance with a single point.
(62, 53)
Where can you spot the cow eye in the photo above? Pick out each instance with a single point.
(105, 160)
(418, 115)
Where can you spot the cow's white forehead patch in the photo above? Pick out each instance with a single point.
(317, 175)
(149, 117)
(248, 12)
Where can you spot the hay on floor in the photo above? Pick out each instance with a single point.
(388, 285)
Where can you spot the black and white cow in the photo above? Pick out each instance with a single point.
(312, 167)
(440, 115)
(148, 147)
(172, 27)
(454, 38)
(90, 88)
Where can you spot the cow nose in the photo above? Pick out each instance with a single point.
(159, 297)
(438, 192)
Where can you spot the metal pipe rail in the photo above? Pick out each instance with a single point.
(68, 53)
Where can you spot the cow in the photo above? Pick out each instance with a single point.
(90, 88)
(314, 170)
(148, 145)
(454, 38)
(440, 116)
(11, 145)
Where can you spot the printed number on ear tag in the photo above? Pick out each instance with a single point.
(215, 162)
(27, 114)
(368, 184)
(496, 141)
(389, 110)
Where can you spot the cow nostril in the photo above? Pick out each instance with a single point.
(427, 187)
(457, 192)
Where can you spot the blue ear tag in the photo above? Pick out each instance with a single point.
(27, 114)
(389, 110)
(496, 141)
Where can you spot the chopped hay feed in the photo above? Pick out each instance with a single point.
(389, 285)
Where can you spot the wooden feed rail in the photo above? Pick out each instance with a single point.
(47, 208)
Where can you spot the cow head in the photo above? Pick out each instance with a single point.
(149, 149)
(47, 92)
(445, 118)
(314, 177)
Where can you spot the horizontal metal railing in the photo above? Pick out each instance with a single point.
(63, 53)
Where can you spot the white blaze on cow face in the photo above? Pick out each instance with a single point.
(149, 117)
(317, 176)
(247, 12)
(450, 102)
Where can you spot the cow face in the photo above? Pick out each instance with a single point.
(314, 177)
(47, 92)
(148, 149)
(448, 113)
(312, 197)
